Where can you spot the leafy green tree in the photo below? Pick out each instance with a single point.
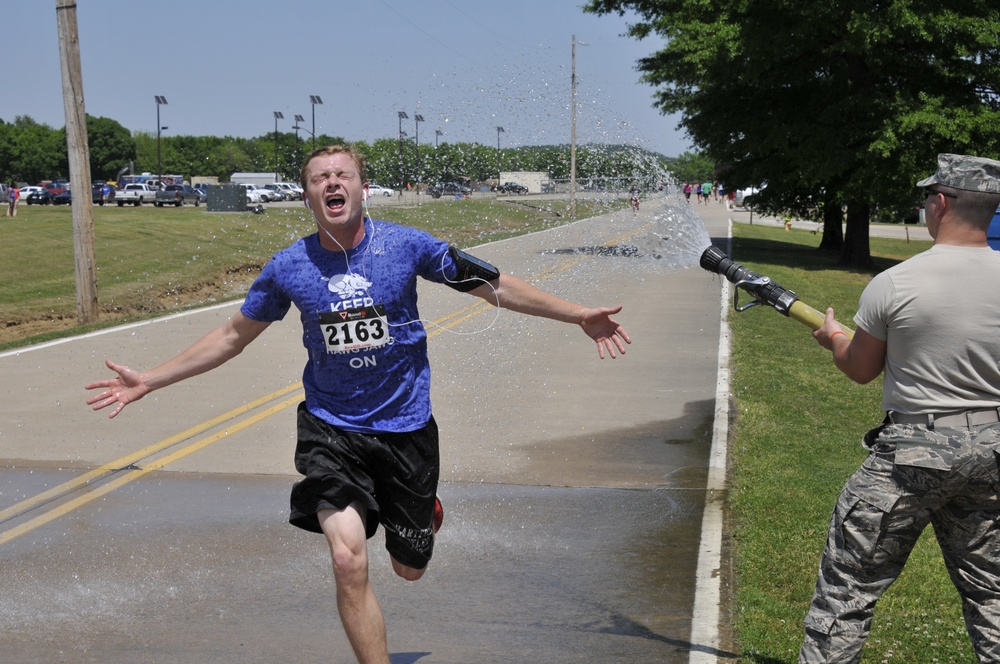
(384, 164)
(111, 147)
(226, 158)
(6, 152)
(37, 151)
(843, 103)
(32, 152)
(693, 167)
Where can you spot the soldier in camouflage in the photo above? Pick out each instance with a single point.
(931, 325)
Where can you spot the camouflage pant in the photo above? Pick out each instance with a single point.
(912, 477)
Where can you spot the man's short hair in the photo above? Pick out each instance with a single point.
(357, 157)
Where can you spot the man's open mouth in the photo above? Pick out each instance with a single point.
(335, 202)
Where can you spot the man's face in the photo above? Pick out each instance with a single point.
(334, 190)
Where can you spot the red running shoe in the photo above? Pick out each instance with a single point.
(438, 514)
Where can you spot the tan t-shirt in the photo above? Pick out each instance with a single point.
(939, 314)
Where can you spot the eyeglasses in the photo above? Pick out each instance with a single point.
(934, 192)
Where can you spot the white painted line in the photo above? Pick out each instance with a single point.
(707, 596)
(129, 326)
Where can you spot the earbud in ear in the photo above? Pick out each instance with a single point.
(307, 204)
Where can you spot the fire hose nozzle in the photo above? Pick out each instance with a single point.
(761, 289)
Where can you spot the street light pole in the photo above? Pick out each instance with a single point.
(298, 119)
(314, 99)
(499, 131)
(402, 116)
(277, 116)
(417, 119)
(437, 132)
(160, 101)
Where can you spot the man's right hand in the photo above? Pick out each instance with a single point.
(123, 390)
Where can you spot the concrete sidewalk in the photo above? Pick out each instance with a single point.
(898, 231)
(574, 489)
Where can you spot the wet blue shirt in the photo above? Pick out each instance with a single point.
(368, 369)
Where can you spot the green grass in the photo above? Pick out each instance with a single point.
(151, 261)
(795, 442)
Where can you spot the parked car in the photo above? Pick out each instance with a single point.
(252, 194)
(741, 195)
(55, 187)
(98, 195)
(41, 196)
(379, 190)
(293, 191)
(136, 194)
(276, 193)
(512, 188)
(440, 188)
(263, 195)
(177, 195)
(29, 190)
(62, 198)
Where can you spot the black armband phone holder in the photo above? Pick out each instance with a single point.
(472, 272)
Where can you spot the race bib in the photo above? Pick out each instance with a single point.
(351, 330)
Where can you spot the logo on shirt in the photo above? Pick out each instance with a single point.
(349, 286)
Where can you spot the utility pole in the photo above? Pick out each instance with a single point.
(79, 162)
(572, 140)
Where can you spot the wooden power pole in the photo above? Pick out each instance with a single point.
(572, 139)
(572, 136)
(79, 162)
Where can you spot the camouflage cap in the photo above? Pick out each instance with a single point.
(963, 171)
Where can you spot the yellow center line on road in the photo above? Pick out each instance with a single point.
(131, 474)
(128, 460)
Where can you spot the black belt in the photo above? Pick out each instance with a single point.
(965, 418)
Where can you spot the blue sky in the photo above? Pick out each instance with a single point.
(224, 67)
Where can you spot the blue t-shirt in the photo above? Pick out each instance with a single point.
(368, 369)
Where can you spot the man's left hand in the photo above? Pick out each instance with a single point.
(605, 330)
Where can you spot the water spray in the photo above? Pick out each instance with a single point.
(762, 290)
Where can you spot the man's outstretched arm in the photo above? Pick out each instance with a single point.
(512, 293)
(212, 350)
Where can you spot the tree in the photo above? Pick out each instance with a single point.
(38, 152)
(693, 167)
(843, 103)
(226, 158)
(111, 147)
(33, 152)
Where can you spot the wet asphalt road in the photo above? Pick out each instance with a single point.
(573, 488)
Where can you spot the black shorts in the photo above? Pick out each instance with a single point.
(394, 475)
